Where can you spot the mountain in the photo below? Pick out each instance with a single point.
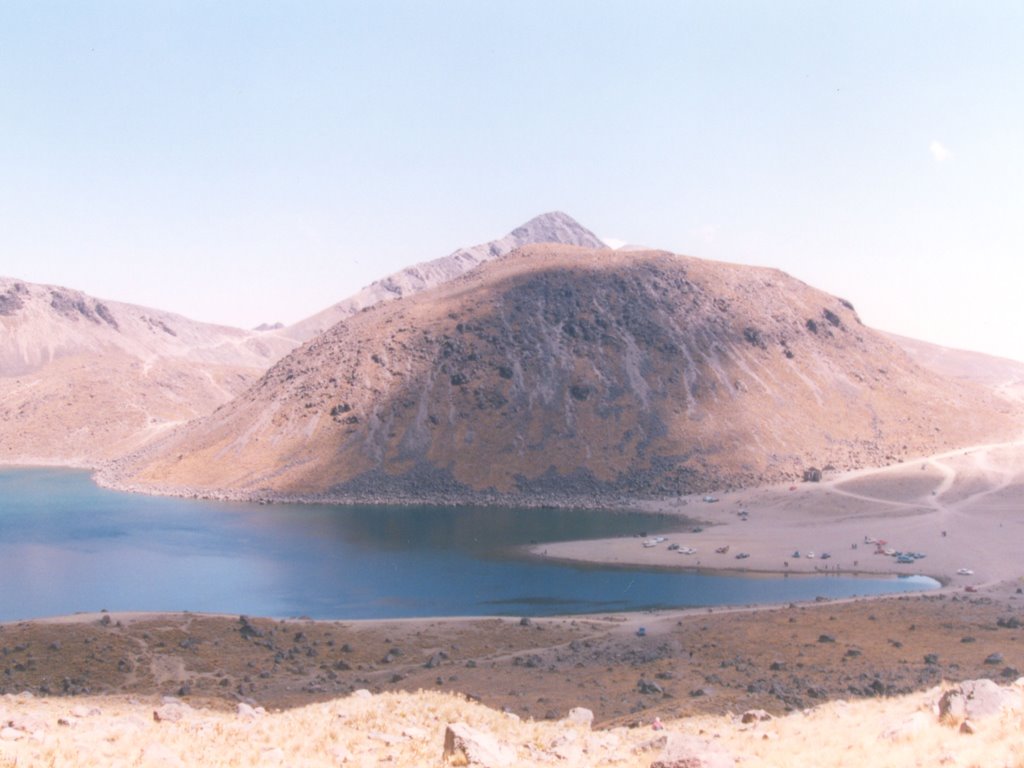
(560, 372)
(83, 379)
(554, 227)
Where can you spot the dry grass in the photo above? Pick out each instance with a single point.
(408, 730)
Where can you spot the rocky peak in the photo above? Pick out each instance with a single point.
(555, 227)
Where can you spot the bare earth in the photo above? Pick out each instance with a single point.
(868, 667)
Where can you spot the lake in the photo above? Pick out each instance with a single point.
(67, 545)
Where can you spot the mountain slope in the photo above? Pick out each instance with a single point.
(553, 227)
(1000, 374)
(557, 371)
(83, 380)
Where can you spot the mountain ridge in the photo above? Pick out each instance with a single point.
(551, 227)
(84, 379)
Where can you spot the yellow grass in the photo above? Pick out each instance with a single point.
(408, 730)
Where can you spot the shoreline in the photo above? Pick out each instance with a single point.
(957, 509)
(949, 507)
(901, 504)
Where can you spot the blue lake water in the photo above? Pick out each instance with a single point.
(67, 545)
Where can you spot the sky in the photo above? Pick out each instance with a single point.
(250, 162)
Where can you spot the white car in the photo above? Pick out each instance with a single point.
(965, 572)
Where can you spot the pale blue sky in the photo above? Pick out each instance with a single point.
(242, 162)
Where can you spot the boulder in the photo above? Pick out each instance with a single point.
(247, 630)
(249, 712)
(464, 745)
(648, 686)
(171, 712)
(683, 751)
(436, 660)
(580, 716)
(977, 699)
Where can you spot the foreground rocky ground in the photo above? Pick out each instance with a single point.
(977, 723)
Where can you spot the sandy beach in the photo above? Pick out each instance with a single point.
(960, 509)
